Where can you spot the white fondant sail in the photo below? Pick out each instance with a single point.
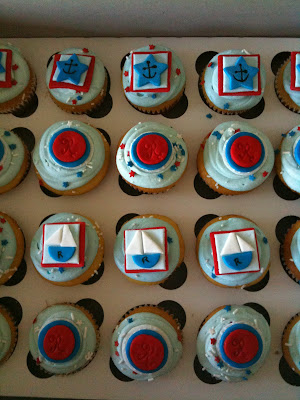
(55, 239)
(150, 247)
(135, 247)
(142, 243)
(62, 237)
(231, 245)
(244, 246)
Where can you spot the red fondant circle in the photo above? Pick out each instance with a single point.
(246, 151)
(69, 146)
(146, 352)
(59, 342)
(241, 346)
(152, 149)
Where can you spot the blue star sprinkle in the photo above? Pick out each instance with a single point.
(241, 74)
(79, 97)
(4, 242)
(292, 133)
(248, 372)
(213, 275)
(169, 240)
(252, 177)
(227, 308)
(244, 378)
(2, 69)
(61, 270)
(265, 240)
(174, 144)
(153, 96)
(149, 71)
(65, 184)
(12, 146)
(130, 320)
(182, 152)
(71, 69)
(130, 164)
(217, 134)
(6, 133)
(220, 364)
(226, 106)
(209, 116)
(79, 174)
(283, 134)
(173, 168)
(160, 176)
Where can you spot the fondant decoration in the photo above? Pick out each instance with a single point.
(72, 71)
(235, 252)
(2, 69)
(146, 250)
(63, 245)
(244, 152)
(150, 71)
(295, 70)
(5, 68)
(239, 75)
(297, 151)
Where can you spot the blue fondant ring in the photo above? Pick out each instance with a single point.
(2, 150)
(297, 151)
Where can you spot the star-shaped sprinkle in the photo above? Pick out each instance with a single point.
(220, 364)
(241, 74)
(244, 378)
(127, 89)
(237, 130)
(217, 359)
(74, 101)
(217, 134)
(178, 72)
(248, 372)
(4, 242)
(292, 133)
(2, 69)
(130, 164)
(151, 47)
(226, 106)
(65, 184)
(209, 116)
(265, 240)
(265, 173)
(71, 69)
(252, 177)
(116, 343)
(283, 134)
(227, 308)
(135, 373)
(6, 133)
(213, 341)
(122, 146)
(160, 176)
(2, 220)
(14, 67)
(85, 50)
(177, 163)
(79, 97)
(182, 152)
(173, 168)
(12, 146)
(79, 322)
(213, 275)
(153, 96)
(126, 73)
(131, 174)
(61, 270)
(128, 153)
(130, 320)
(169, 240)
(149, 71)
(79, 174)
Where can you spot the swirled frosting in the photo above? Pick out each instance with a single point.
(149, 324)
(294, 344)
(295, 249)
(64, 274)
(209, 342)
(149, 99)
(206, 259)
(294, 94)
(216, 163)
(290, 167)
(8, 246)
(235, 103)
(61, 176)
(80, 323)
(5, 336)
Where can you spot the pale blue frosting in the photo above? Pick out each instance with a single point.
(206, 260)
(56, 175)
(137, 322)
(5, 336)
(214, 328)
(294, 94)
(295, 249)
(236, 103)
(8, 247)
(66, 96)
(294, 340)
(67, 274)
(177, 82)
(87, 332)
(290, 170)
(169, 174)
(173, 249)
(21, 75)
(217, 167)
(13, 158)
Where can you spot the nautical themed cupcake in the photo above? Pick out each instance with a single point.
(77, 80)
(67, 249)
(291, 343)
(233, 251)
(235, 158)
(287, 82)
(288, 159)
(15, 160)
(12, 247)
(151, 157)
(8, 334)
(233, 81)
(148, 249)
(17, 80)
(290, 252)
(147, 343)
(71, 158)
(153, 79)
(233, 342)
(63, 339)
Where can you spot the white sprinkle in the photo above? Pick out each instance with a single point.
(288, 344)
(179, 136)
(37, 329)
(72, 316)
(291, 260)
(208, 176)
(243, 286)
(120, 361)
(245, 51)
(150, 379)
(79, 322)
(69, 123)
(95, 272)
(212, 331)
(8, 258)
(235, 311)
(203, 369)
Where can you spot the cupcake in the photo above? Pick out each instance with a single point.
(233, 343)
(288, 160)
(232, 251)
(148, 249)
(12, 247)
(146, 343)
(290, 343)
(287, 82)
(233, 82)
(15, 160)
(153, 79)
(67, 249)
(8, 334)
(290, 252)
(17, 80)
(63, 339)
(71, 158)
(235, 158)
(151, 157)
(77, 80)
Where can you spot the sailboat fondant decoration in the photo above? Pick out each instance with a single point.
(145, 250)
(61, 245)
(236, 253)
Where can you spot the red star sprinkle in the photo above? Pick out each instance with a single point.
(128, 153)
(85, 50)
(14, 67)
(127, 89)
(1, 229)
(213, 341)
(298, 128)
(217, 359)
(2, 220)
(135, 373)
(178, 72)
(1, 167)
(210, 64)
(177, 163)
(126, 73)
(122, 146)
(117, 353)
(34, 321)
(265, 173)
(202, 82)
(74, 101)
(14, 82)
(237, 130)
(116, 343)
(151, 46)
(131, 174)
(38, 361)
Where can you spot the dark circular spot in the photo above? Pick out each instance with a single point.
(179, 108)
(288, 374)
(13, 307)
(26, 136)
(44, 219)
(123, 220)
(28, 109)
(103, 109)
(203, 60)
(255, 111)
(106, 135)
(176, 279)
(202, 221)
(260, 309)
(284, 225)
(48, 192)
(260, 285)
(35, 369)
(19, 275)
(278, 60)
(126, 188)
(203, 189)
(118, 374)
(204, 375)
(96, 276)
(94, 308)
(283, 191)
(175, 309)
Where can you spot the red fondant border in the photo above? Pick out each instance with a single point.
(293, 71)
(7, 83)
